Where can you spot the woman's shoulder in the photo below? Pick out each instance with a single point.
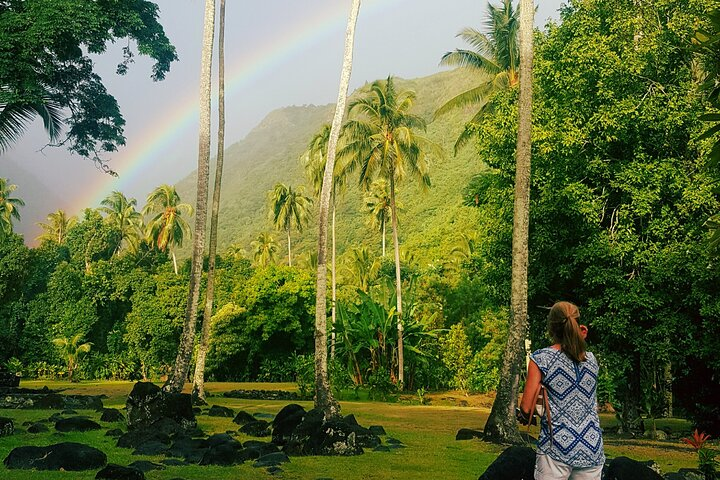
(589, 357)
(544, 351)
(541, 356)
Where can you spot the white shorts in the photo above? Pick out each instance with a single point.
(547, 468)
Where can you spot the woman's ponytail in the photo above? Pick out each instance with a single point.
(565, 330)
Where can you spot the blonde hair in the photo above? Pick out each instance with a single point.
(564, 328)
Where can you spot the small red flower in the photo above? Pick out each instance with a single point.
(698, 440)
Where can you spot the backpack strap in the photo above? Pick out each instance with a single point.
(548, 416)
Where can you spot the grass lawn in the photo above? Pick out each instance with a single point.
(428, 431)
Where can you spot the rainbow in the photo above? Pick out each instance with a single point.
(131, 162)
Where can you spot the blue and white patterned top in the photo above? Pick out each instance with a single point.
(576, 434)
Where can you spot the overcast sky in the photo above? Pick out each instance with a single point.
(278, 53)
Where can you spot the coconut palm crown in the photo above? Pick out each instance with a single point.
(167, 228)
(8, 207)
(495, 58)
(57, 226)
(121, 214)
(289, 208)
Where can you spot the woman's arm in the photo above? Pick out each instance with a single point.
(532, 387)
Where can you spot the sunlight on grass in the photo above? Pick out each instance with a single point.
(428, 432)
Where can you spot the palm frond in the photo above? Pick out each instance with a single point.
(474, 96)
(472, 60)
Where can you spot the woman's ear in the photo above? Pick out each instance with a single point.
(583, 331)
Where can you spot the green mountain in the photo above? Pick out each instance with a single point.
(430, 220)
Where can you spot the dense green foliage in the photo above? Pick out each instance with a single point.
(621, 192)
(622, 188)
(46, 70)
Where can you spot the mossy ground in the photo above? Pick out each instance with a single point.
(428, 431)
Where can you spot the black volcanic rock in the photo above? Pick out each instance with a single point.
(514, 463)
(67, 456)
(147, 404)
(118, 472)
(76, 424)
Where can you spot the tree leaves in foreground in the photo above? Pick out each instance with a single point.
(46, 69)
(621, 194)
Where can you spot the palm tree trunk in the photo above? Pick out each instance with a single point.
(667, 388)
(398, 281)
(289, 251)
(334, 288)
(323, 395)
(198, 392)
(383, 238)
(174, 261)
(501, 424)
(176, 380)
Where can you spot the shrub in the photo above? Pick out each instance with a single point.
(13, 365)
(277, 370)
(305, 375)
(457, 356)
(44, 371)
(381, 385)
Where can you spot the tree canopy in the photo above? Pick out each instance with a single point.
(46, 68)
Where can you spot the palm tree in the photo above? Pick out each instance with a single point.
(501, 424)
(71, 349)
(121, 214)
(167, 228)
(8, 207)
(57, 227)
(264, 249)
(176, 380)
(15, 117)
(323, 395)
(199, 377)
(465, 246)
(495, 57)
(315, 159)
(362, 268)
(377, 203)
(236, 251)
(289, 208)
(382, 142)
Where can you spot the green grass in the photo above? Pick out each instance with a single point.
(428, 431)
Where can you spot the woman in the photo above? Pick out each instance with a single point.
(570, 444)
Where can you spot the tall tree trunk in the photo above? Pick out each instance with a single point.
(501, 424)
(172, 252)
(667, 389)
(176, 380)
(289, 252)
(630, 417)
(398, 282)
(323, 395)
(334, 287)
(383, 238)
(198, 392)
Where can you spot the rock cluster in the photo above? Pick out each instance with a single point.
(26, 398)
(160, 423)
(262, 395)
(314, 434)
(147, 404)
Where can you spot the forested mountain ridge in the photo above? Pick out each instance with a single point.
(271, 153)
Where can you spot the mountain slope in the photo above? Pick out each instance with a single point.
(429, 220)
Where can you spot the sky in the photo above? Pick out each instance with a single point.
(277, 52)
